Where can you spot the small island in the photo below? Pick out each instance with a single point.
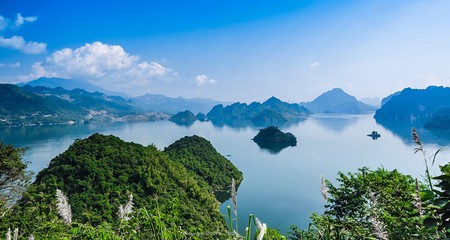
(274, 140)
(186, 118)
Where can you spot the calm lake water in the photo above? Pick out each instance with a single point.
(281, 188)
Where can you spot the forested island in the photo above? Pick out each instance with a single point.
(274, 139)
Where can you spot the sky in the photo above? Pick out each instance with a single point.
(229, 50)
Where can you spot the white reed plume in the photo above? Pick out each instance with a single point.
(324, 189)
(64, 209)
(418, 200)
(262, 229)
(31, 237)
(234, 196)
(8, 234)
(379, 229)
(16, 234)
(125, 211)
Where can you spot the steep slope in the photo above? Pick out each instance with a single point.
(337, 101)
(414, 105)
(98, 173)
(199, 156)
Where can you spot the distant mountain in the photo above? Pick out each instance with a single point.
(372, 101)
(416, 106)
(243, 112)
(337, 101)
(161, 103)
(70, 84)
(20, 106)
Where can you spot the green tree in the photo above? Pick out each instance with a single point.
(13, 176)
(368, 204)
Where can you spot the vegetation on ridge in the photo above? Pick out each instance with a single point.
(100, 172)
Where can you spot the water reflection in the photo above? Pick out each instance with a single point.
(334, 122)
(238, 124)
(403, 130)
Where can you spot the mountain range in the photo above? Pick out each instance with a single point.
(27, 105)
(419, 107)
(272, 111)
(147, 102)
(337, 101)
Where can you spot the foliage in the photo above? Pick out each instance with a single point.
(367, 199)
(199, 157)
(98, 174)
(13, 176)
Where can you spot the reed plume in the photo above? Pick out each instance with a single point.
(64, 209)
(379, 229)
(8, 234)
(324, 189)
(418, 200)
(419, 148)
(16, 234)
(261, 227)
(234, 200)
(125, 211)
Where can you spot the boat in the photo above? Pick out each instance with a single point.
(374, 135)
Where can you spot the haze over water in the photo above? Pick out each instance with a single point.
(280, 189)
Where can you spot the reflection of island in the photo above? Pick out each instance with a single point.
(274, 140)
(334, 122)
(374, 135)
(403, 130)
(237, 124)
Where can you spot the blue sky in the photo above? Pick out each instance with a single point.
(229, 50)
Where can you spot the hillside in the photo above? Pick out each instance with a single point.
(98, 173)
(337, 101)
(161, 103)
(199, 156)
(24, 106)
(243, 112)
(415, 106)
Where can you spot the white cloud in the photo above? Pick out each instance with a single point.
(201, 80)
(10, 65)
(18, 43)
(20, 20)
(314, 65)
(107, 65)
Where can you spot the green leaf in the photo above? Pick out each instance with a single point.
(431, 222)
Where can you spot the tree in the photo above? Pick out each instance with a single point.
(13, 176)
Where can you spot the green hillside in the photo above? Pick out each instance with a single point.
(98, 173)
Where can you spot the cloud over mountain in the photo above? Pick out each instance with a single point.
(107, 65)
